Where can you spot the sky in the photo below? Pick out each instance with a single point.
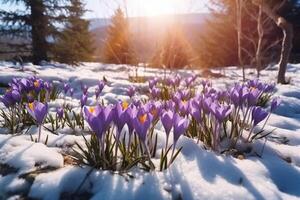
(106, 8)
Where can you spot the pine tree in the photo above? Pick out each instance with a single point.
(74, 43)
(219, 44)
(174, 52)
(118, 47)
(34, 23)
(217, 40)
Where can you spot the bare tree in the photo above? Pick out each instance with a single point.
(257, 47)
(239, 7)
(287, 29)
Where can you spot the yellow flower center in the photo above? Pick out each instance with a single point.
(36, 84)
(143, 118)
(8, 90)
(124, 105)
(92, 109)
(31, 106)
(184, 102)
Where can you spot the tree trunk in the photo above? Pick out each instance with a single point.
(286, 49)
(259, 44)
(287, 42)
(239, 33)
(38, 31)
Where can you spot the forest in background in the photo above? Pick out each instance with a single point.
(240, 32)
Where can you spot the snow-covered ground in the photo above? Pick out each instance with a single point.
(45, 172)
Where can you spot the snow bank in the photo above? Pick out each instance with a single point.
(196, 173)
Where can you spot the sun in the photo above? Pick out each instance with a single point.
(158, 7)
(155, 7)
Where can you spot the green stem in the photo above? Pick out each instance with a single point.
(13, 120)
(250, 133)
(40, 130)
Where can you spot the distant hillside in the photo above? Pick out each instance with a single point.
(196, 18)
(147, 32)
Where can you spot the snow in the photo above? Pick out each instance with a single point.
(18, 152)
(196, 174)
(49, 186)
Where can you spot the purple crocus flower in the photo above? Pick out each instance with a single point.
(83, 100)
(131, 91)
(177, 80)
(258, 115)
(238, 95)
(130, 115)
(185, 94)
(142, 123)
(48, 86)
(107, 115)
(101, 85)
(71, 92)
(255, 83)
(38, 85)
(195, 111)
(84, 89)
(221, 112)
(15, 94)
(119, 116)
(60, 112)
(183, 106)
(206, 104)
(205, 83)
(95, 119)
(18, 87)
(155, 92)
(7, 99)
(253, 96)
(153, 83)
(188, 81)
(30, 98)
(169, 105)
(26, 84)
(171, 81)
(154, 108)
(98, 119)
(269, 88)
(66, 87)
(14, 81)
(167, 121)
(38, 111)
(97, 93)
(275, 104)
(177, 97)
(179, 128)
(211, 91)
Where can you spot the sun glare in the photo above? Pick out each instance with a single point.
(134, 8)
(157, 7)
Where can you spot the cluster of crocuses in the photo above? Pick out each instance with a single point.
(165, 88)
(139, 121)
(246, 100)
(214, 114)
(26, 94)
(183, 106)
(26, 90)
(84, 88)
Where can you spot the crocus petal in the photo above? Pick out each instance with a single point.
(167, 121)
(258, 115)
